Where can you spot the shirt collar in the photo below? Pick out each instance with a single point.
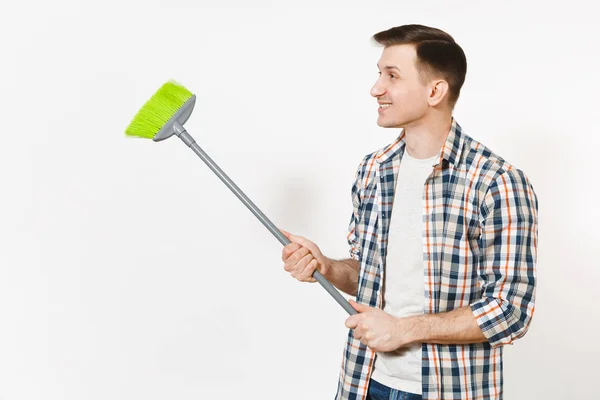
(451, 150)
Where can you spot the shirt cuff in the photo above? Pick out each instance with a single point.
(494, 320)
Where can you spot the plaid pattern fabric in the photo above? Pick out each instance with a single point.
(479, 250)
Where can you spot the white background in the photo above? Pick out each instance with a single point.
(129, 271)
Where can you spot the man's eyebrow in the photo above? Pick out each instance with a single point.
(390, 67)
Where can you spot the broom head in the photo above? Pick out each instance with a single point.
(166, 105)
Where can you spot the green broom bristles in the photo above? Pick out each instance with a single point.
(158, 110)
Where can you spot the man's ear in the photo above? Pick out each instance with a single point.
(438, 92)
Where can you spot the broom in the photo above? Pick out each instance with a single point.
(163, 116)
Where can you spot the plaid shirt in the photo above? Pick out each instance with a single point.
(479, 250)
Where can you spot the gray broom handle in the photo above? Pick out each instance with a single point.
(189, 140)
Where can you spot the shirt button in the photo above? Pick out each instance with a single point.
(427, 218)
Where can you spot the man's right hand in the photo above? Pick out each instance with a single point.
(302, 257)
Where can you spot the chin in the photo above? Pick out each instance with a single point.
(398, 121)
(389, 124)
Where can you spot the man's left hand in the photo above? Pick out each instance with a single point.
(377, 329)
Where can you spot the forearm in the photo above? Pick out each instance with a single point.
(453, 327)
(343, 274)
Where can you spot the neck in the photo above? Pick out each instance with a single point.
(424, 138)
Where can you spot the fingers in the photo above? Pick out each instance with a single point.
(366, 332)
(294, 258)
(359, 307)
(310, 268)
(288, 250)
(314, 249)
(351, 322)
(301, 265)
(303, 268)
(362, 333)
(297, 262)
(300, 257)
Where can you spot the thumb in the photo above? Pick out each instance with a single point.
(358, 307)
(286, 233)
(293, 238)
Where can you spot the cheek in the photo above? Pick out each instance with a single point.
(410, 96)
(416, 99)
(418, 93)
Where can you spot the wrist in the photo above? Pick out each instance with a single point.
(326, 267)
(417, 328)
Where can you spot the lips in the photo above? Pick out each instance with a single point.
(383, 106)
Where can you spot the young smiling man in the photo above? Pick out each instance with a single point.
(443, 240)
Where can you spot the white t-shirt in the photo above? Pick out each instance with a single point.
(404, 274)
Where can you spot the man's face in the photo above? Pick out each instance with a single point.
(399, 84)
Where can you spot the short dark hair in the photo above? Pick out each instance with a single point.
(437, 54)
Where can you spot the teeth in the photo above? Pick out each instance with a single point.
(385, 105)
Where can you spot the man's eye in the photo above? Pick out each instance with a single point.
(390, 75)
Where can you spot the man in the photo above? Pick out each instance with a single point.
(443, 240)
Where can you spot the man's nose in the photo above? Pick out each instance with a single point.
(377, 90)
